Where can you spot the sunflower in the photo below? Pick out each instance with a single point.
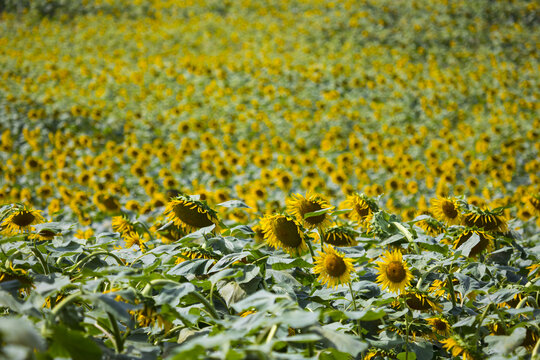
(20, 219)
(431, 227)
(362, 207)
(106, 202)
(446, 210)
(485, 219)
(189, 214)
(43, 235)
(122, 225)
(333, 267)
(533, 203)
(284, 231)
(299, 206)
(14, 274)
(440, 326)
(393, 272)
(456, 346)
(418, 301)
(486, 241)
(195, 253)
(340, 236)
(133, 238)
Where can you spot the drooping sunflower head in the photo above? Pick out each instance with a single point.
(122, 224)
(20, 219)
(299, 206)
(340, 236)
(190, 214)
(394, 273)
(485, 243)
(106, 202)
(440, 326)
(533, 204)
(456, 346)
(362, 207)
(485, 219)
(420, 301)
(332, 267)
(44, 235)
(283, 231)
(446, 210)
(195, 253)
(431, 227)
(10, 273)
(133, 238)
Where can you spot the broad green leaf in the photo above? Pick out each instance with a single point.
(75, 343)
(343, 342)
(317, 213)
(406, 356)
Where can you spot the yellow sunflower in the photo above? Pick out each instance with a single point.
(485, 219)
(43, 235)
(456, 347)
(133, 238)
(340, 236)
(486, 241)
(446, 210)
(122, 225)
(440, 326)
(418, 301)
(431, 227)
(362, 207)
(189, 214)
(282, 231)
(333, 267)
(20, 219)
(299, 206)
(394, 273)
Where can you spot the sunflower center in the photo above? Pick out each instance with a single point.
(449, 209)
(334, 265)
(191, 217)
(395, 271)
(286, 232)
(362, 210)
(24, 218)
(310, 206)
(439, 325)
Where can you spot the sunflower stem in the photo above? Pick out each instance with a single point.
(321, 235)
(207, 305)
(40, 258)
(482, 317)
(118, 341)
(308, 242)
(89, 257)
(451, 288)
(358, 326)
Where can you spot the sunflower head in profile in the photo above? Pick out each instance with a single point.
(362, 207)
(299, 206)
(533, 204)
(485, 243)
(457, 346)
(439, 325)
(122, 224)
(340, 236)
(20, 219)
(420, 301)
(189, 214)
(283, 231)
(332, 267)
(394, 273)
(431, 227)
(487, 220)
(446, 210)
(44, 235)
(106, 202)
(134, 238)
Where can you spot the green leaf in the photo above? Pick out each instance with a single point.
(334, 354)
(506, 344)
(406, 356)
(468, 245)
(172, 295)
(317, 213)
(404, 231)
(343, 211)
(343, 342)
(78, 346)
(234, 204)
(366, 315)
(280, 263)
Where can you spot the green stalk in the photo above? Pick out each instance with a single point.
(118, 340)
(207, 305)
(308, 242)
(83, 261)
(321, 235)
(358, 326)
(40, 258)
(64, 302)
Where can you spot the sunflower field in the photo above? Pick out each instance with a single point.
(267, 179)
